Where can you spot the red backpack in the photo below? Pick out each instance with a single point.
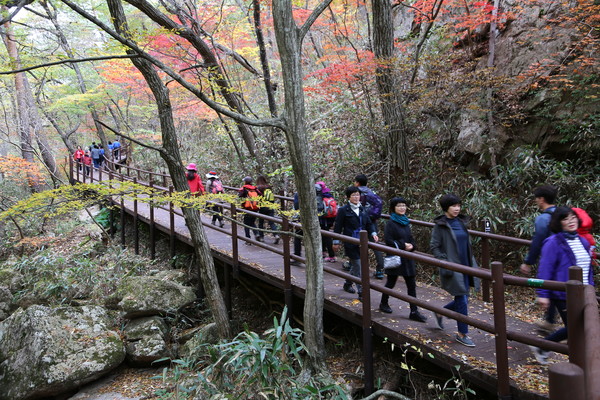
(331, 207)
(251, 192)
(217, 186)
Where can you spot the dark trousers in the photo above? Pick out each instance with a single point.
(261, 222)
(217, 216)
(411, 288)
(250, 221)
(560, 334)
(327, 242)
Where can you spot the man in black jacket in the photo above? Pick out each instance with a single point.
(350, 220)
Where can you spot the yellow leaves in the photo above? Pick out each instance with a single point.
(17, 169)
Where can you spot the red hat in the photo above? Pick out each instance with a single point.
(191, 167)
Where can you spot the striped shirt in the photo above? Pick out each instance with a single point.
(582, 257)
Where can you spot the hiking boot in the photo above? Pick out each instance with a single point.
(348, 288)
(541, 356)
(385, 308)
(439, 321)
(417, 316)
(464, 339)
(346, 266)
(379, 274)
(221, 224)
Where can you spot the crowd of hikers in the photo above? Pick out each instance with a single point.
(95, 156)
(562, 238)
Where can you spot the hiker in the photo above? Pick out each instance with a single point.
(327, 219)
(214, 186)
(116, 148)
(398, 234)
(87, 162)
(351, 219)
(545, 197)
(373, 205)
(194, 181)
(95, 153)
(560, 251)
(78, 156)
(450, 241)
(268, 198)
(251, 194)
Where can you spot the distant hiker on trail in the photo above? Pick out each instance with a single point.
(250, 192)
(351, 219)
(399, 235)
(269, 197)
(327, 219)
(116, 149)
(373, 205)
(87, 162)
(214, 186)
(559, 252)
(450, 241)
(193, 180)
(78, 156)
(95, 152)
(101, 158)
(545, 197)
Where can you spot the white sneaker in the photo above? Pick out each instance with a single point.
(541, 356)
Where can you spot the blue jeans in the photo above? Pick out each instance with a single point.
(460, 305)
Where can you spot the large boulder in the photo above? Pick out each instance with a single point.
(5, 302)
(147, 341)
(47, 351)
(143, 296)
(194, 348)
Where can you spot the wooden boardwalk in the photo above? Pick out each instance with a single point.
(478, 364)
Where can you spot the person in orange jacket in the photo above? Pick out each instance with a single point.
(194, 181)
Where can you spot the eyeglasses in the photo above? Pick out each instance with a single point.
(355, 195)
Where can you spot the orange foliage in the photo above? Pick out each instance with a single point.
(18, 170)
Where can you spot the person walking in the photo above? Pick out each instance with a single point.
(87, 162)
(398, 234)
(545, 197)
(268, 198)
(560, 251)
(116, 149)
(78, 156)
(373, 205)
(214, 186)
(450, 241)
(95, 153)
(351, 219)
(249, 192)
(327, 219)
(194, 181)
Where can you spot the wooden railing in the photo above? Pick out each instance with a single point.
(583, 346)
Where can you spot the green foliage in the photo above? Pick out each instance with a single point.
(256, 366)
(454, 388)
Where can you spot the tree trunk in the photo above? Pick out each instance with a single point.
(289, 42)
(172, 157)
(395, 130)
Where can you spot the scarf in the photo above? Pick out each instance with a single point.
(401, 219)
(570, 235)
(355, 208)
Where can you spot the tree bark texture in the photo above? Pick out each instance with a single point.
(289, 41)
(172, 157)
(395, 130)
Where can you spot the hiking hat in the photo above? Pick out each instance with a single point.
(324, 188)
(212, 174)
(191, 167)
(248, 179)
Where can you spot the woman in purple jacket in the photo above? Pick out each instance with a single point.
(559, 252)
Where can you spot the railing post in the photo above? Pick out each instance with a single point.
(366, 312)
(122, 215)
(234, 242)
(575, 324)
(566, 382)
(70, 169)
(500, 331)
(111, 219)
(152, 224)
(287, 273)
(485, 263)
(171, 225)
(136, 236)
(100, 173)
(592, 344)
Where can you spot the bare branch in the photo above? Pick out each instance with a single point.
(313, 17)
(67, 61)
(161, 151)
(19, 6)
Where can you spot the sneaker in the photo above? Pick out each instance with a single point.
(346, 266)
(541, 356)
(465, 340)
(385, 308)
(417, 316)
(348, 288)
(379, 274)
(439, 321)
(330, 259)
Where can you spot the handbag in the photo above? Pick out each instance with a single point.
(390, 262)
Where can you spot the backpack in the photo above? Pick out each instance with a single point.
(269, 196)
(251, 205)
(216, 186)
(330, 207)
(371, 202)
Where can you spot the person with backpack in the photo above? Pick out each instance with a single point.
(269, 198)
(327, 219)
(87, 162)
(116, 148)
(250, 192)
(350, 220)
(373, 205)
(194, 181)
(398, 234)
(545, 197)
(78, 156)
(214, 186)
(96, 156)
